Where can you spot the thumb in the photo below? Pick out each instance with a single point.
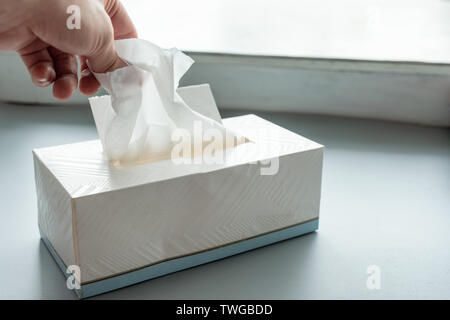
(105, 60)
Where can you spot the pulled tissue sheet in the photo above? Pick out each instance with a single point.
(135, 123)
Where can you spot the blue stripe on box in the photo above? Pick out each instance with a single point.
(177, 264)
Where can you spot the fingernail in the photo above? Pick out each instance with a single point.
(43, 82)
(47, 78)
(86, 72)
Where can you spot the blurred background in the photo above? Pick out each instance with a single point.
(378, 59)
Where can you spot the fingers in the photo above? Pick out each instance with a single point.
(48, 65)
(88, 83)
(123, 29)
(66, 66)
(107, 59)
(123, 26)
(39, 63)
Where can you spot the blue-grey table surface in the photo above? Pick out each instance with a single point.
(385, 202)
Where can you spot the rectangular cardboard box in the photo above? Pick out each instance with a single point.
(120, 226)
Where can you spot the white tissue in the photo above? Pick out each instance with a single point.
(135, 123)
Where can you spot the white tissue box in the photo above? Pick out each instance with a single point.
(120, 226)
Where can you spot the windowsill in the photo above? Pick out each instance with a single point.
(384, 202)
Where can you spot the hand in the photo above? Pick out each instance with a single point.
(37, 30)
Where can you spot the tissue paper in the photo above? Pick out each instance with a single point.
(114, 223)
(137, 122)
